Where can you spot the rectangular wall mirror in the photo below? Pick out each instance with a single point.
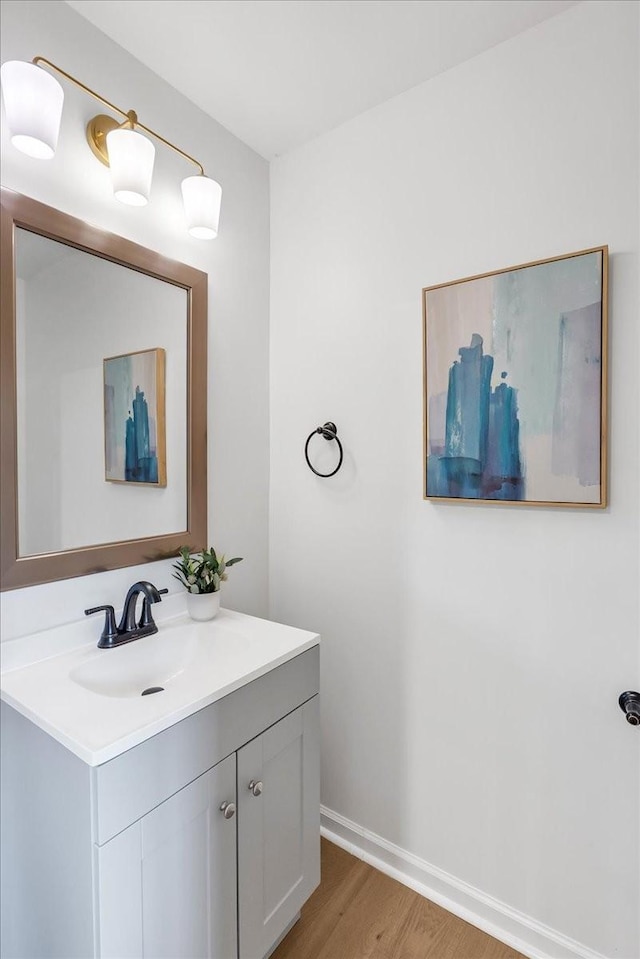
(104, 347)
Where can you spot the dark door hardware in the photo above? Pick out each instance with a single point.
(629, 703)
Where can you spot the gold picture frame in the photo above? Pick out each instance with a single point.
(135, 441)
(515, 366)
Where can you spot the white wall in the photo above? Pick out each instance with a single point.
(237, 264)
(472, 656)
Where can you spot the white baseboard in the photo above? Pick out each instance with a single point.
(521, 932)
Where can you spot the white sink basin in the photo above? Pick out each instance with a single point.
(128, 670)
(91, 701)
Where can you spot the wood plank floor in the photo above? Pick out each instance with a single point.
(359, 913)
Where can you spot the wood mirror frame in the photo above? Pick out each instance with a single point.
(17, 571)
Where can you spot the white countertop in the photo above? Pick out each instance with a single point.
(196, 663)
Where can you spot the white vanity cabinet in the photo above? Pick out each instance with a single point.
(144, 855)
(278, 862)
(167, 884)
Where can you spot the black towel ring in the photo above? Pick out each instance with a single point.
(330, 432)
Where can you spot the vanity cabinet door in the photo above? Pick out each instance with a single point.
(278, 828)
(167, 884)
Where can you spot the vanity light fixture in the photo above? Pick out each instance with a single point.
(33, 103)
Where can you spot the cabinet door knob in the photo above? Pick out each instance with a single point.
(255, 787)
(228, 810)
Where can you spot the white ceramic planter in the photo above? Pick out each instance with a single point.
(203, 606)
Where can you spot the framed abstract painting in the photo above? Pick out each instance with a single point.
(515, 384)
(134, 418)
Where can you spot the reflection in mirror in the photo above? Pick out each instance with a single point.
(103, 399)
(73, 311)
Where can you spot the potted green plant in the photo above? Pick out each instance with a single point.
(202, 575)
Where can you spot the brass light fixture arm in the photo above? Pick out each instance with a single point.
(96, 130)
(38, 60)
(173, 147)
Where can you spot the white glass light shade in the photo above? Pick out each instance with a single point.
(202, 197)
(33, 105)
(131, 157)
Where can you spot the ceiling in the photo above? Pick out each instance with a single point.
(277, 73)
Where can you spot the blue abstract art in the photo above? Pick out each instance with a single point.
(134, 418)
(515, 384)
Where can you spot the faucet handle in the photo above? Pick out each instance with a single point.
(110, 631)
(146, 618)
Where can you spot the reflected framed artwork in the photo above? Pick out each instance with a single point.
(515, 384)
(134, 418)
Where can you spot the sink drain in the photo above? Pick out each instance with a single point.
(152, 689)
